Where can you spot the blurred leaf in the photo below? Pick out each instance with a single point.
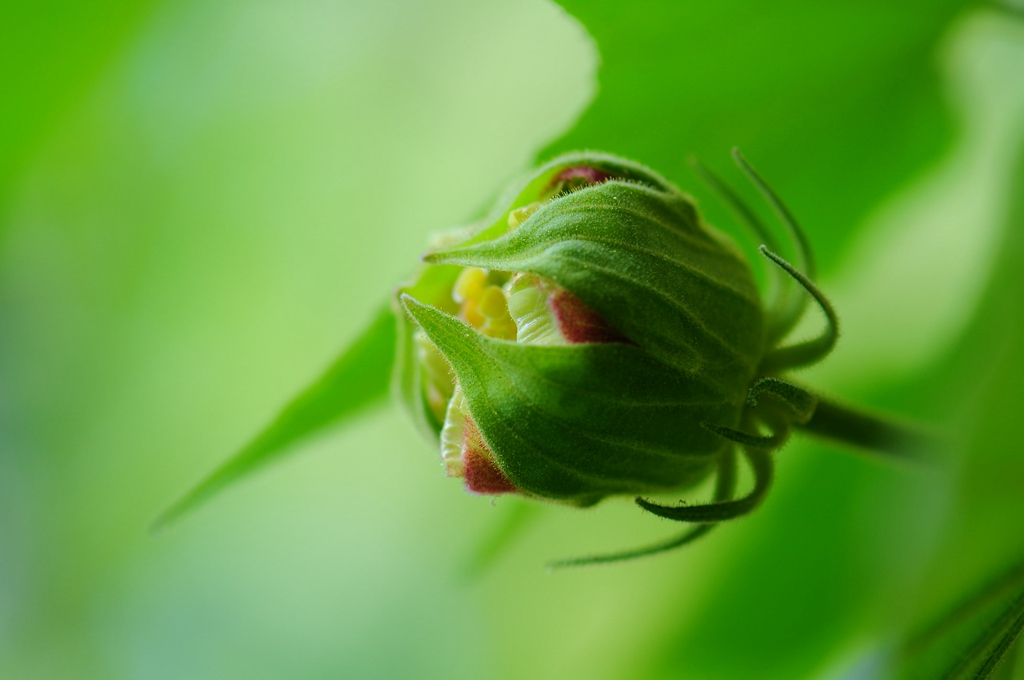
(928, 251)
(972, 639)
(515, 519)
(981, 381)
(49, 54)
(358, 378)
(838, 102)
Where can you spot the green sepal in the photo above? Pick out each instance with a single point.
(640, 257)
(789, 307)
(797, 403)
(539, 185)
(433, 285)
(759, 442)
(577, 423)
(810, 351)
(357, 380)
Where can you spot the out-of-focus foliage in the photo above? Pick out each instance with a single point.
(50, 54)
(978, 543)
(204, 200)
(839, 102)
(974, 638)
(355, 382)
(197, 236)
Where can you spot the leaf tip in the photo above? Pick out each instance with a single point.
(185, 504)
(434, 257)
(414, 307)
(442, 256)
(163, 520)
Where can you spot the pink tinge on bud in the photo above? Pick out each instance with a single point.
(583, 172)
(482, 475)
(577, 322)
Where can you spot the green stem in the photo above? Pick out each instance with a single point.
(866, 431)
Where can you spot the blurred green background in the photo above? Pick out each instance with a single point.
(201, 202)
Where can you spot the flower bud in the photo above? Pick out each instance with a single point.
(593, 337)
(575, 343)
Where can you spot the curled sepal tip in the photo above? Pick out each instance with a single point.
(761, 464)
(811, 351)
(725, 486)
(797, 403)
(688, 536)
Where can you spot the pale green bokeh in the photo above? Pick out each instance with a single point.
(212, 221)
(202, 233)
(913, 279)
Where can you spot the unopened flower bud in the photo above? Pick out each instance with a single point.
(592, 325)
(592, 337)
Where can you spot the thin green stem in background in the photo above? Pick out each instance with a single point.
(865, 431)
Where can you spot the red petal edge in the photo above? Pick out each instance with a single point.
(481, 473)
(586, 173)
(579, 323)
